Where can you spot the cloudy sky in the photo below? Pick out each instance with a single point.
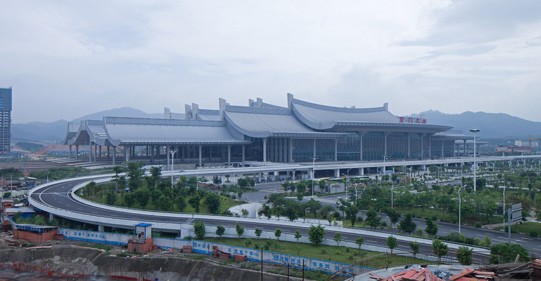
(65, 59)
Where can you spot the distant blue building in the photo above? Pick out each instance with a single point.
(5, 120)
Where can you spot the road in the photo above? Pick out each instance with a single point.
(57, 196)
(496, 237)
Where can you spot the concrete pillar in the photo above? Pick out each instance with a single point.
(409, 145)
(228, 155)
(51, 217)
(200, 155)
(442, 148)
(337, 173)
(168, 157)
(265, 150)
(76, 151)
(126, 154)
(429, 139)
(243, 153)
(464, 148)
(100, 152)
(101, 228)
(361, 171)
(361, 151)
(114, 155)
(422, 146)
(70, 151)
(335, 149)
(95, 152)
(314, 153)
(385, 136)
(290, 153)
(89, 152)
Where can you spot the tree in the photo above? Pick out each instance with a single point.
(117, 170)
(199, 230)
(258, 232)
(212, 200)
(194, 202)
(414, 245)
(372, 219)
(142, 196)
(359, 241)
(239, 229)
(244, 213)
(181, 203)
(129, 199)
(278, 233)
(431, 227)
(464, 255)
(440, 249)
(506, 252)
(407, 225)
(134, 174)
(110, 197)
(316, 234)
(155, 173)
(337, 238)
(394, 216)
(392, 243)
(485, 242)
(220, 230)
(298, 235)
(266, 211)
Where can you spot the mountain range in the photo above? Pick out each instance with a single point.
(492, 125)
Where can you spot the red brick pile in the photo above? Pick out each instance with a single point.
(414, 274)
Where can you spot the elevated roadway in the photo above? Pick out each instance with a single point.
(57, 199)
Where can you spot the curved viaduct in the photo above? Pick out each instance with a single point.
(58, 199)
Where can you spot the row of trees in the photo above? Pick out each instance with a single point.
(316, 235)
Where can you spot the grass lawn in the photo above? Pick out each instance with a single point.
(527, 228)
(325, 252)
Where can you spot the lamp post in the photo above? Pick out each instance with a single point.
(474, 131)
(459, 208)
(313, 173)
(503, 209)
(172, 163)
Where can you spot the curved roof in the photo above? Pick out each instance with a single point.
(167, 131)
(90, 131)
(322, 117)
(262, 122)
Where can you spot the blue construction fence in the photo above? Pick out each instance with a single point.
(206, 248)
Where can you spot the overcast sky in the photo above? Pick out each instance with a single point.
(65, 59)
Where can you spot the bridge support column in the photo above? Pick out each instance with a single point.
(361, 171)
(337, 173)
(101, 228)
(51, 217)
(70, 152)
(77, 151)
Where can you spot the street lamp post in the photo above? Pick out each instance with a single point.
(313, 173)
(392, 195)
(459, 208)
(172, 163)
(503, 209)
(474, 131)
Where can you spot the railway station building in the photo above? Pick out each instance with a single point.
(262, 132)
